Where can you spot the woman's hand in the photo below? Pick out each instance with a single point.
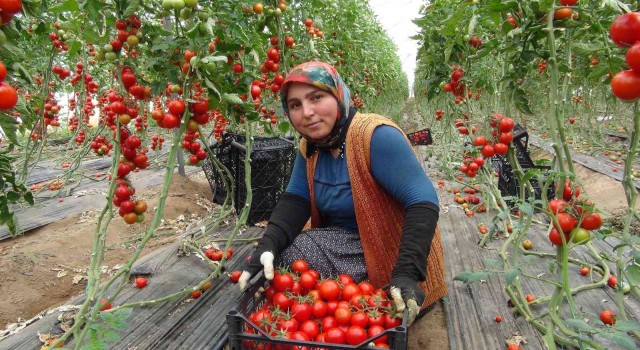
(406, 293)
(259, 260)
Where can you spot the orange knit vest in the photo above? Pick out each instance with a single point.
(380, 217)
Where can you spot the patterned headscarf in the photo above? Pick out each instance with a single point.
(325, 77)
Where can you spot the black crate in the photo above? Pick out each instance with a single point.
(252, 300)
(508, 184)
(420, 138)
(272, 161)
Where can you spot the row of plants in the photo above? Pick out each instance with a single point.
(565, 70)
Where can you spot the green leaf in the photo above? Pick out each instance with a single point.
(472, 276)
(577, 324)
(28, 197)
(522, 103)
(284, 127)
(627, 325)
(9, 125)
(526, 208)
(68, 6)
(13, 196)
(132, 8)
(116, 319)
(213, 59)
(633, 274)
(511, 274)
(94, 7)
(232, 98)
(621, 339)
(492, 263)
(13, 51)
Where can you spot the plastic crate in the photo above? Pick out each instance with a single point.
(421, 137)
(508, 184)
(252, 300)
(272, 161)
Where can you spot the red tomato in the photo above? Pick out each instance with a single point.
(500, 148)
(557, 205)
(584, 270)
(568, 2)
(310, 328)
(506, 124)
(349, 290)
(282, 282)
(329, 290)
(141, 282)
(592, 221)
(299, 266)
(633, 57)
(608, 317)
(488, 151)
(235, 276)
(626, 85)
(480, 141)
(376, 330)
(335, 335)
(104, 306)
(506, 137)
(366, 288)
(282, 301)
(288, 325)
(332, 305)
(8, 97)
(307, 280)
(391, 321)
(319, 309)
(555, 238)
(625, 30)
(328, 322)
(343, 316)
(359, 319)
(315, 274)
(3, 71)
(300, 311)
(356, 335)
(344, 279)
(612, 281)
(375, 319)
(566, 222)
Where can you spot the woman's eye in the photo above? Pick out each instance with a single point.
(316, 97)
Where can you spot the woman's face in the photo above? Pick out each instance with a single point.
(312, 111)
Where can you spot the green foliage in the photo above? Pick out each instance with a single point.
(12, 192)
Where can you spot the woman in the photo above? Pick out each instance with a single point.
(373, 209)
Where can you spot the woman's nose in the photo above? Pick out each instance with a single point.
(307, 109)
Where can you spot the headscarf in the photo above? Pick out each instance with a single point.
(325, 77)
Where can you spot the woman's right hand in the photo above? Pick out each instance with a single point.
(259, 260)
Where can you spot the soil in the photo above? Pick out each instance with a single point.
(39, 267)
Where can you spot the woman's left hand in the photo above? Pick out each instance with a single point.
(406, 293)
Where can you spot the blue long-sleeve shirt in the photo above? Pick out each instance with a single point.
(394, 167)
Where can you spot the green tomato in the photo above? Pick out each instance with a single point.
(107, 48)
(140, 218)
(580, 235)
(277, 12)
(202, 28)
(191, 3)
(167, 5)
(175, 88)
(626, 288)
(110, 56)
(178, 4)
(203, 16)
(186, 13)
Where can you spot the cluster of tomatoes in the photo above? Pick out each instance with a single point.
(57, 39)
(439, 114)
(128, 31)
(131, 210)
(422, 137)
(470, 202)
(272, 61)
(63, 73)
(191, 144)
(299, 306)
(156, 142)
(542, 66)
(51, 110)
(455, 86)
(501, 137)
(129, 81)
(625, 32)
(81, 136)
(312, 29)
(8, 95)
(220, 124)
(573, 217)
(100, 145)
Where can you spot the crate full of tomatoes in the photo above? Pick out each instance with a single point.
(421, 137)
(300, 310)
